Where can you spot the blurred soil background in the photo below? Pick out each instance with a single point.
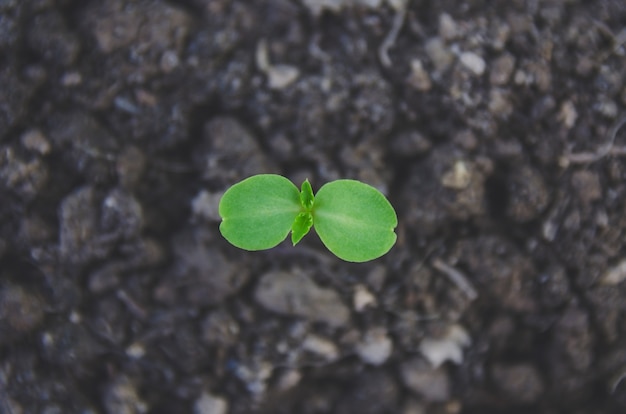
(496, 128)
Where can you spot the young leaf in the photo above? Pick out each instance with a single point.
(354, 220)
(301, 226)
(306, 195)
(258, 212)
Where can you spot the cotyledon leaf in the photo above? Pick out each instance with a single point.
(354, 220)
(258, 212)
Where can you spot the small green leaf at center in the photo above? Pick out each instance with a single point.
(301, 226)
(306, 195)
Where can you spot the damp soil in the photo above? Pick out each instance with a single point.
(496, 129)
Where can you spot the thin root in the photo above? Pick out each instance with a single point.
(457, 277)
(602, 151)
(390, 40)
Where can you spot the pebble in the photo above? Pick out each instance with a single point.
(586, 185)
(210, 404)
(35, 140)
(521, 382)
(295, 294)
(205, 205)
(169, 61)
(208, 276)
(473, 62)
(78, 224)
(449, 347)
(499, 103)
(26, 178)
(448, 29)
(281, 76)
(70, 79)
(528, 194)
(433, 384)
(615, 275)
(20, 312)
(501, 70)
(458, 178)
(568, 114)
(130, 165)
(363, 298)
(438, 52)
(121, 397)
(220, 328)
(230, 152)
(606, 107)
(419, 78)
(321, 346)
(375, 347)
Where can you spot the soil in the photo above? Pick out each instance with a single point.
(496, 129)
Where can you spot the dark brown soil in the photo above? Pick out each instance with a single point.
(496, 128)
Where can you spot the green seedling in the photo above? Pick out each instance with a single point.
(353, 220)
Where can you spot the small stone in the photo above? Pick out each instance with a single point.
(499, 103)
(528, 194)
(439, 54)
(375, 347)
(255, 377)
(320, 346)
(210, 404)
(419, 78)
(568, 114)
(473, 62)
(501, 70)
(587, 185)
(281, 76)
(26, 178)
(540, 75)
(136, 350)
(466, 139)
(121, 214)
(458, 178)
(521, 382)
(220, 328)
(607, 108)
(169, 61)
(20, 312)
(229, 152)
(202, 274)
(448, 29)
(500, 34)
(121, 397)
(363, 298)
(35, 140)
(615, 275)
(288, 380)
(431, 383)
(78, 225)
(449, 347)
(278, 76)
(295, 294)
(130, 165)
(70, 79)
(206, 205)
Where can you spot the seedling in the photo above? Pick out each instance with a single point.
(353, 220)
